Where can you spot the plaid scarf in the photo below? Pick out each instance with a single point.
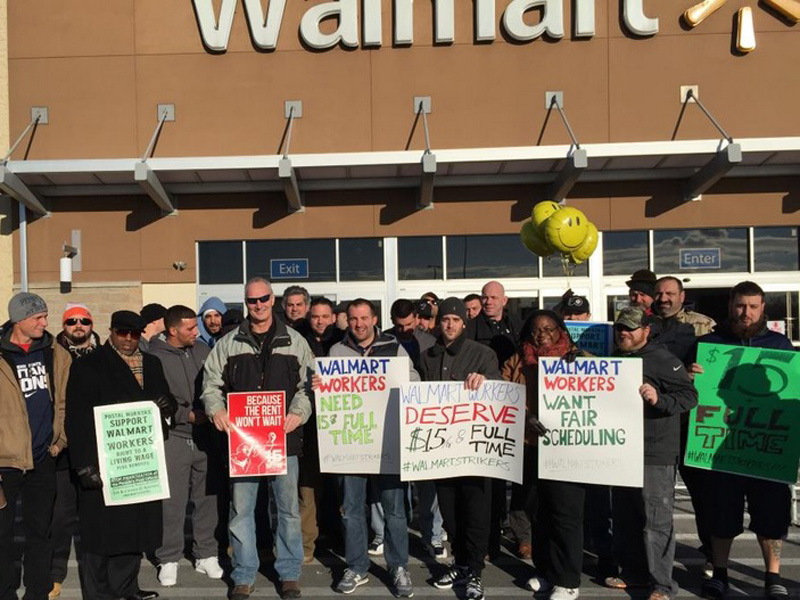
(135, 363)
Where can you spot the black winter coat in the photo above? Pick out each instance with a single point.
(455, 362)
(99, 379)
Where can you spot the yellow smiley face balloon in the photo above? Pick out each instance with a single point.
(534, 241)
(542, 211)
(566, 229)
(585, 250)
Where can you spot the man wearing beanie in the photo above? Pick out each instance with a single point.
(465, 502)
(33, 382)
(642, 289)
(77, 338)
(153, 315)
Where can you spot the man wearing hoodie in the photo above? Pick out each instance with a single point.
(768, 502)
(186, 449)
(209, 321)
(33, 381)
(643, 530)
(363, 338)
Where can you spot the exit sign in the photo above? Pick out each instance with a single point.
(288, 268)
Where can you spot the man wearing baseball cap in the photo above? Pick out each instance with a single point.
(33, 382)
(643, 516)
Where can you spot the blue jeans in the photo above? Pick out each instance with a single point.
(354, 518)
(242, 526)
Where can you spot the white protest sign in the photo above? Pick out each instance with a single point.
(130, 449)
(447, 430)
(357, 414)
(594, 413)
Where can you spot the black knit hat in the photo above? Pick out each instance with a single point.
(452, 306)
(153, 312)
(643, 280)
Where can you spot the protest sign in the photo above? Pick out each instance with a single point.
(747, 420)
(257, 441)
(595, 416)
(594, 338)
(447, 430)
(130, 449)
(357, 414)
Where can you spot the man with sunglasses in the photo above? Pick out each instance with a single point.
(263, 354)
(77, 338)
(113, 538)
(643, 531)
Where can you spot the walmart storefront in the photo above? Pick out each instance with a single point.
(385, 148)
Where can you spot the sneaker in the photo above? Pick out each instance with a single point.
(209, 566)
(659, 595)
(375, 548)
(455, 575)
(444, 535)
(290, 590)
(708, 570)
(168, 574)
(242, 591)
(438, 550)
(403, 588)
(776, 591)
(538, 585)
(350, 581)
(564, 593)
(474, 588)
(714, 589)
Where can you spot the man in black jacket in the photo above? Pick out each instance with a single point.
(643, 531)
(464, 501)
(113, 537)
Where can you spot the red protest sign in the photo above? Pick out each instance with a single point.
(257, 441)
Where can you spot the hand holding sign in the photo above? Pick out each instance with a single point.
(649, 394)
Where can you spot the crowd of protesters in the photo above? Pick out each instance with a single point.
(186, 362)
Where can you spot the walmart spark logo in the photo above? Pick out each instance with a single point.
(745, 33)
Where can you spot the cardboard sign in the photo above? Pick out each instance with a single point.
(747, 420)
(593, 337)
(357, 414)
(257, 441)
(447, 430)
(595, 418)
(130, 449)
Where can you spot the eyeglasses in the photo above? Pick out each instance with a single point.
(132, 333)
(545, 330)
(263, 299)
(73, 322)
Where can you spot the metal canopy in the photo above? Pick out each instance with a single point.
(614, 162)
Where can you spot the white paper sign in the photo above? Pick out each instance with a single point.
(130, 449)
(595, 418)
(357, 414)
(449, 431)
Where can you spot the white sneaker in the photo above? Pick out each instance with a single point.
(209, 566)
(168, 574)
(564, 593)
(538, 585)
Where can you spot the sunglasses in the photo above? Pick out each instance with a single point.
(132, 333)
(263, 299)
(73, 322)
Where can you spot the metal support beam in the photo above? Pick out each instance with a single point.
(713, 171)
(427, 181)
(149, 182)
(576, 164)
(11, 185)
(290, 188)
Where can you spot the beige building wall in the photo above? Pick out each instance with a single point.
(170, 294)
(6, 205)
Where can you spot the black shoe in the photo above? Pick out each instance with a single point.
(143, 595)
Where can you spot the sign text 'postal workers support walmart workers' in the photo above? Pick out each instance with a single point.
(265, 28)
(447, 430)
(593, 337)
(257, 441)
(595, 417)
(357, 409)
(747, 420)
(130, 449)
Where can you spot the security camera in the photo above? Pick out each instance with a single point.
(179, 265)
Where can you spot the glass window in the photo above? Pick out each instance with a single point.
(361, 259)
(553, 267)
(220, 262)
(776, 248)
(624, 252)
(292, 260)
(489, 257)
(781, 311)
(420, 258)
(700, 251)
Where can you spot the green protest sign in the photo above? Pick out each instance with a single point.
(747, 420)
(130, 448)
